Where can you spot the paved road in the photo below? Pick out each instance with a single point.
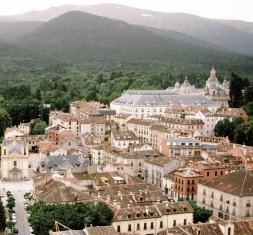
(18, 189)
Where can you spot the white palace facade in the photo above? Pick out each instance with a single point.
(144, 103)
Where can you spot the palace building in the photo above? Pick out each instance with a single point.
(144, 103)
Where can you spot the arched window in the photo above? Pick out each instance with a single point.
(229, 231)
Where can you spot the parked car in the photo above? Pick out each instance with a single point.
(15, 230)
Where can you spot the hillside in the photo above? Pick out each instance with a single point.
(9, 51)
(234, 36)
(80, 37)
(10, 31)
(238, 24)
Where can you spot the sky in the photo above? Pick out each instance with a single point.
(219, 9)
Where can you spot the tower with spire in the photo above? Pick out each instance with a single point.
(216, 91)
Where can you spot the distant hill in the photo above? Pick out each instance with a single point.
(238, 24)
(234, 36)
(81, 37)
(10, 31)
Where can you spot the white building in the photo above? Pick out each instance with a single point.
(123, 139)
(152, 219)
(93, 126)
(230, 196)
(156, 168)
(14, 160)
(145, 103)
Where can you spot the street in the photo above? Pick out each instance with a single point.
(18, 189)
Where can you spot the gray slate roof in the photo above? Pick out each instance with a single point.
(59, 162)
(160, 98)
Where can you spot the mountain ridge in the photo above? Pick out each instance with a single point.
(81, 37)
(223, 33)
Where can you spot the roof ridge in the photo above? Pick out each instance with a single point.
(246, 171)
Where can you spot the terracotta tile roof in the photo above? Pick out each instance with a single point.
(161, 128)
(181, 121)
(237, 183)
(57, 192)
(196, 229)
(160, 161)
(144, 122)
(97, 120)
(154, 210)
(68, 232)
(187, 172)
(124, 135)
(101, 230)
(105, 178)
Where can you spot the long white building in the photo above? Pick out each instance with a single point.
(144, 103)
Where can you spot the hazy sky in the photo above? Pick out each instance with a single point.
(222, 9)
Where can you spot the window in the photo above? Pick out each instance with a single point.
(229, 231)
(207, 173)
(118, 228)
(184, 221)
(192, 181)
(4, 151)
(161, 224)
(145, 226)
(221, 173)
(129, 228)
(248, 203)
(138, 227)
(215, 173)
(15, 163)
(152, 225)
(174, 223)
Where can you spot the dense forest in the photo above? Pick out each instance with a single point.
(27, 85)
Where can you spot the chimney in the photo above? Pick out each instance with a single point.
(147, 210)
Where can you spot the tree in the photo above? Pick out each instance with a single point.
(5, 120)
(225, 128)
(200, 214)
(10, 203)
(236, 91)
(38, 127)
(248, 95)
(248, 107)
(75, 216)
(2, 217)
(10, 224)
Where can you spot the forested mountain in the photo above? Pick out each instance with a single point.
(234, 35)
(12, 30)
(82, 37)
(239, 24)
(11, 51)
